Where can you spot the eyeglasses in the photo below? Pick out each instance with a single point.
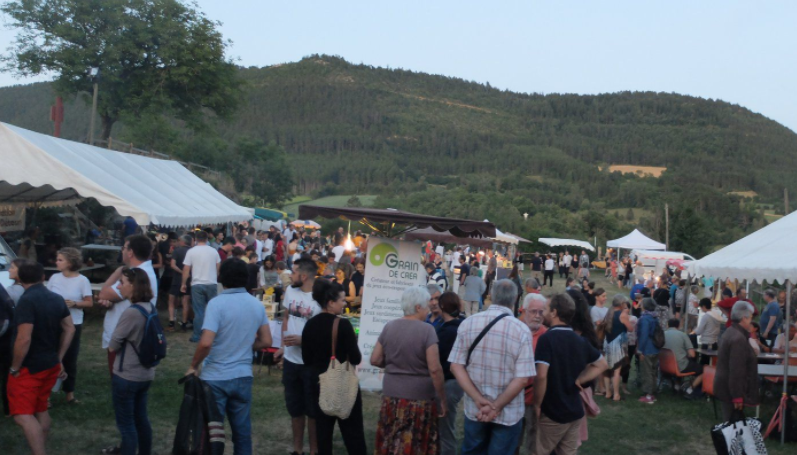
(535, 312)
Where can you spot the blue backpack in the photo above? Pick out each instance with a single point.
(152, 348)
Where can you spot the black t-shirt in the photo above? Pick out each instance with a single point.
(464, 271)
(6, 323)
(536, 264)
(567, 354)
(446, 336)
(164, 248)
(251, 282)
(317, 343)
(662, 296)
(45, 310)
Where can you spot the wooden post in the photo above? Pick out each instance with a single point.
(93, 114)
(110, 142)
(785, 201)
(667, 225)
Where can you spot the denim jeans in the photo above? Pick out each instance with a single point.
(200, 296)
(490, 438)
(447, 426)
(234, 399)
(130, 406)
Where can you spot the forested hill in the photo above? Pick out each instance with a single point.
(360, 129)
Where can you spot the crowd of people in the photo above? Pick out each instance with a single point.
(526, 366)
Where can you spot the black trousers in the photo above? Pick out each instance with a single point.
(706, 359)
(548, 276)
(625, 371)
(351, 429)
(5, 365)
(70, 360)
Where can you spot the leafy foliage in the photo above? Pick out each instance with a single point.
(154, 56)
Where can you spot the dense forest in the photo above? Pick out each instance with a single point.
(446, 146)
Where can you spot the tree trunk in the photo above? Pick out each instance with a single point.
(107, 125)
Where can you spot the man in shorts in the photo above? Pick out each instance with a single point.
(44, 333)
(175, 294)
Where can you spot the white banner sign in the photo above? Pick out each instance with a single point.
(12, 219)
(392, 266)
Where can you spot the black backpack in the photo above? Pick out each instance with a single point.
(658, 335)
(152, 348)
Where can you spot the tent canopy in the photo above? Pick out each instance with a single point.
(636, 240)
(41, 169)
(447, 237)
(457, 227)
(567, 242)
(769, 253)
(505, 238)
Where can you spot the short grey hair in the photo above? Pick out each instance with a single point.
(531, 297)
(433, 289)
(648, 304)
(741, 310)
(474, 271)
(618, 300)
(532, 283)
(187, 239)
(694, 288)
(504, 293)
(412, 297)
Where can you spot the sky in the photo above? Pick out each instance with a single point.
(743, 52)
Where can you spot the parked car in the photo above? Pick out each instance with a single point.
(655, 261)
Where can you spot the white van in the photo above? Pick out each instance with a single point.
(655, 261)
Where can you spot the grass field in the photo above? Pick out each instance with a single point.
(671, 426)
(328, 201)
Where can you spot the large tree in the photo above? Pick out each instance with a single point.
(153, 55)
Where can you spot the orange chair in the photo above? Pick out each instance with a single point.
(669, 367)
(708, 385)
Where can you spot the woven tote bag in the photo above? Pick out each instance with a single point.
(339, 384)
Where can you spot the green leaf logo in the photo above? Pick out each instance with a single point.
(380, 252)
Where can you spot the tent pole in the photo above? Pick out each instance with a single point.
(786, 359)
(685, 308)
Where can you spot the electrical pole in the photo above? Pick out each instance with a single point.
(785, 201)
(95, 75)
(667, 225)
(57, 115)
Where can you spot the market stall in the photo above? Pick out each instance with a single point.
(769, 254)
(636, 240)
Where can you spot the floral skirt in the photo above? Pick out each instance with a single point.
(407, 427)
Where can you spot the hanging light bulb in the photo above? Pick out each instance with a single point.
(348, 244)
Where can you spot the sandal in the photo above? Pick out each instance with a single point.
(73, 401)
(111, 450)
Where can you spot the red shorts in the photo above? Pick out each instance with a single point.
(28, 393)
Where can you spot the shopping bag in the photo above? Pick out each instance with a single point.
(738, 436)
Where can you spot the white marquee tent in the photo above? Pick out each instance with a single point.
(636, 240)
(567, 242)
(41, 169)
(768, 254)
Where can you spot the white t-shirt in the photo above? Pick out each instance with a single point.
(259, 250)
(568, 260)
(296, 256)
(455, 260)
(75, 289)
(203, 260)
(268, 245)
(115, 312)
(692, 308)
(597, 313)
(780, 341)
(338, 252)
(301, 307)
(549, 264)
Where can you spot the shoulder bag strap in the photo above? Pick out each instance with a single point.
(335, 335)
(481, 335)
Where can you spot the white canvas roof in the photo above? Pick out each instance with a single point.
(37, 168)
(636, 240)
(769, 253)
(567, 242)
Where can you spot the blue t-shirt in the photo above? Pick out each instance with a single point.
(567, 354)
(772, 310)
(235, 317)
(636, 289)
(131, 227)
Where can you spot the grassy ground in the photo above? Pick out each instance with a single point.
(671, 426)
(328, 201)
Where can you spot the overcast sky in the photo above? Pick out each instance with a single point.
(744, 52)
